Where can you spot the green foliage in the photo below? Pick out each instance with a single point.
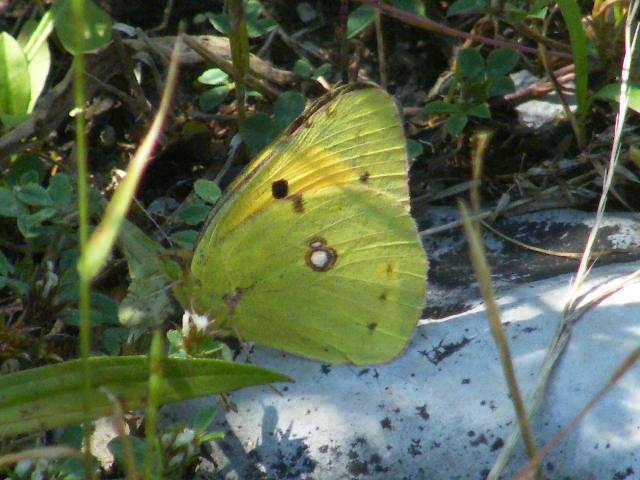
(47, 397)
(461, 7)
(364, 15)
(96, 26)
(181, 446)
(24, 67)
(25, 62)
(185, 239)
(517, 11)
(257, 25)
(207, 190)
(612, 92)
(15, 91)
(579, 45)
(41, 216)
(195, 340)
(260, 129)
(475, 82)
(195, 211)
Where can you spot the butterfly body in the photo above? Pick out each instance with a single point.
(313, 250)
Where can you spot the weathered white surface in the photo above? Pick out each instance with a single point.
(537, 113)
(441, 411)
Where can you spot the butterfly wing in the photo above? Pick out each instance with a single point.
(354, 137)
(313, 251)
(340, 279)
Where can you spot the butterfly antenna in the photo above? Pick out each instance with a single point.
(155, 224)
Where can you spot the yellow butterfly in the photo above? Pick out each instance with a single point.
(313, 250)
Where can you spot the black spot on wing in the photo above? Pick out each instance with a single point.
(280, 188)
(298, 204)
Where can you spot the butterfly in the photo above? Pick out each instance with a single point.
(312, 250)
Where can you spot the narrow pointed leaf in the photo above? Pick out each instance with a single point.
(51, 396)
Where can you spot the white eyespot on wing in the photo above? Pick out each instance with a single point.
(320, 257)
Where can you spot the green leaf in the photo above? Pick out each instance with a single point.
(471, 64)
(287, 108)
(212, 437)
(28, 177)
(60, 190)
(539, 9)
(608, 92)
(501, 86)
(207, 190)
(257, 132)
(22, 166)
(39, 60)
(414, 148)
(259, 28)
(19, 287)
(33, 194)
(256, 26)
(15, 85)
(104, 311)
(360, 19)
(113, 338)
(440, 107)
(480, 110)
(31, 225)
(302, 68)
(138, 445)
(501, 61)
(9, 205)
(306, 12)
(514, 14)
(194, 212)
(5, 266)
(12, 121)
(209, 100)
(213, 76)
(96, 26)
(456, 123)
(467, 6)
(185, 238)
(221, 23)
(205, 417)
(579, 45)
(72, 436)
(323, 70)
(148, 301)
(52, 396)
(413, 6)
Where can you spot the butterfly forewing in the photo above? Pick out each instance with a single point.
(356, 138)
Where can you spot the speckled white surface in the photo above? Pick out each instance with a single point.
(441, 411)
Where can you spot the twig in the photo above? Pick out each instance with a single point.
(382, 62)
(433, 26)
(226, 66)
(488, 213)
(166, 14)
